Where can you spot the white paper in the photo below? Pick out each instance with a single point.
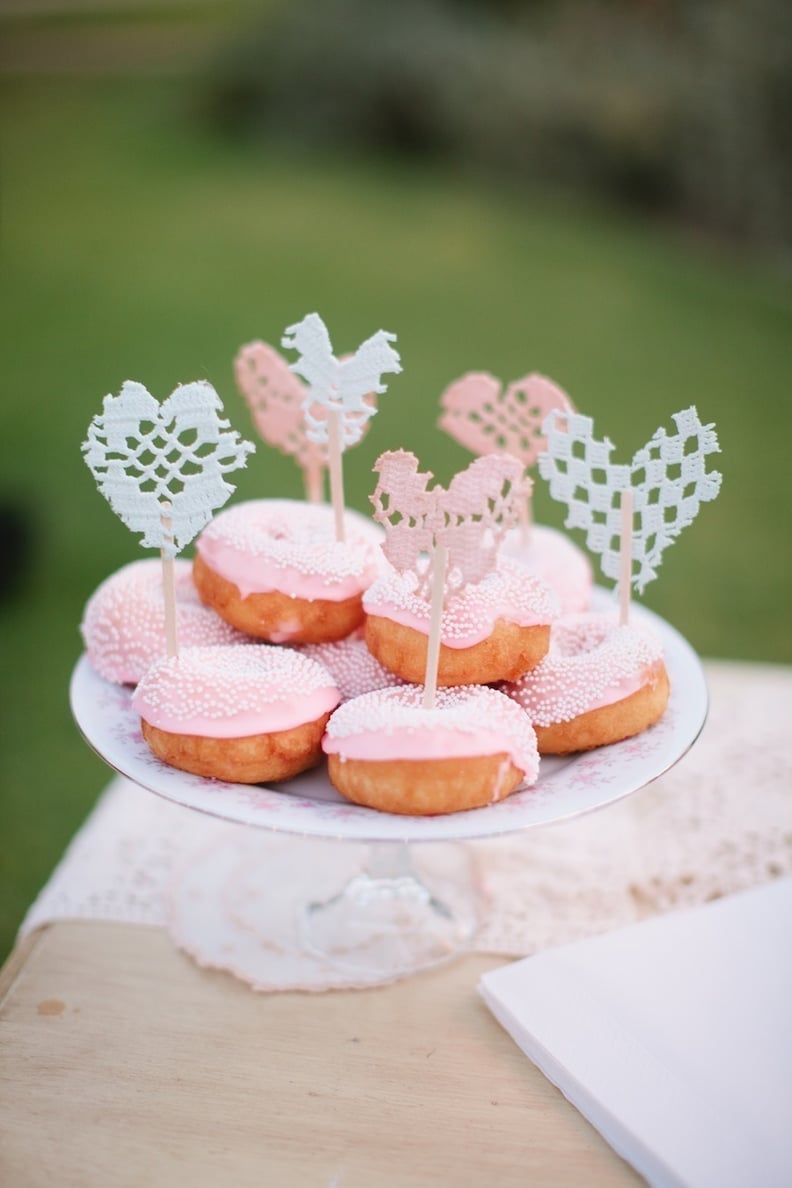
(673, 1037)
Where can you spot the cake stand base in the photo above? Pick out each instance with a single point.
(317, 914)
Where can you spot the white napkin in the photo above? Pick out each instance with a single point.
(673, 1037)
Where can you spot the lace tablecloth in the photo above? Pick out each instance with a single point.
(720, 821)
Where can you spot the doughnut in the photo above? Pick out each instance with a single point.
(351, 665)
(244, 714)
(599, 683)
(553, 557)
(273, 568)
(123, 625)
(387, 752)
(493, 631)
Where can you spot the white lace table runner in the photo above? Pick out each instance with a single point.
(720, 821)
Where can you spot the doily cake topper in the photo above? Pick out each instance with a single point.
(276, 398)
(630, 512)
(338, 403)
(161, 468)
(487, 417)
(448, 538)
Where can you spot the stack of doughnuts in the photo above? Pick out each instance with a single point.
(516, 678)
(123, 625)
(293, 644)
(470, 747)
(247, 713)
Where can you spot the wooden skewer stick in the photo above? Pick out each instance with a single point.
(169, 583)
(314, 482)
(336, 470)
(625, 556)
(526, 518)
(439, 562)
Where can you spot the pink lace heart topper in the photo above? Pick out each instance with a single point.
(667, 475)
(275, 397)
(277, 400)
(161, 467)
(486, 418)
(470, 517)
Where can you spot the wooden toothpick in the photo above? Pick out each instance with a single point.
(169, 581)
(625, 556)
(313, 473)
(336, 470)
(439, 562)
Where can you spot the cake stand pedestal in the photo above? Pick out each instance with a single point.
(390, 917)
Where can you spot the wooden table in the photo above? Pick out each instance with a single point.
(122, 1063)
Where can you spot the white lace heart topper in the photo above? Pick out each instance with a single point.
(470, 517)
(487, 418)
(667, 475)
(161, 467)
(339, 385)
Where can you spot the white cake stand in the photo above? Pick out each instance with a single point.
(410, 906)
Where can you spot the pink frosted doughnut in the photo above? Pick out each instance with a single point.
(352, 666)
(273, 568)
(123, 624)
(290, 546)
(553, 557)
(599, 683)
(494, 630)
(473, 748)
(470, 616)
(245, 714)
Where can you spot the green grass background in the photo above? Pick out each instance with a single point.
(135, 244)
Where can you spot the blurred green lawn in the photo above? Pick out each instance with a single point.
(135, 245)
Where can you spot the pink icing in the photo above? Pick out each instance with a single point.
(351, 665)
(466, 720)
(222, 692)
(468, 617)
(123, 625)
(287, 545)
(552, 556)
(592, 662)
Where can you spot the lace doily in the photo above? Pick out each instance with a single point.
(147, 457)
(718, 822)
(668, 477)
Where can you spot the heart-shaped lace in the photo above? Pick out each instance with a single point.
(275, 397)
(667, 475)
(161, 467)
(344, 385)
(487, 418)
(469, 518)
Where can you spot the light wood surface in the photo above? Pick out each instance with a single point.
(121, 1063)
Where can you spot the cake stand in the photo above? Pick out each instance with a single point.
(404, 905)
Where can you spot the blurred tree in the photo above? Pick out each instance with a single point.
(681, 106)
